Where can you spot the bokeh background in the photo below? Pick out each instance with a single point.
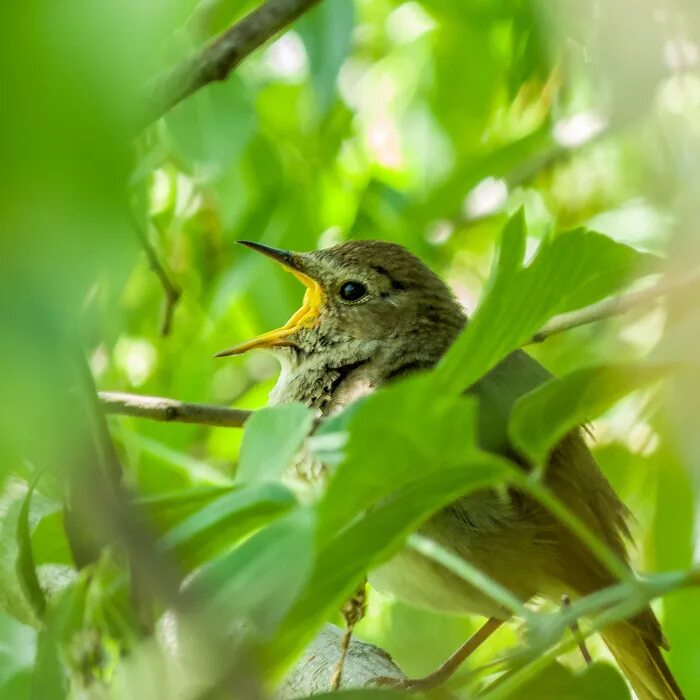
(425, 123)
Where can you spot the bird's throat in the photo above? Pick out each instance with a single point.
(323, 383)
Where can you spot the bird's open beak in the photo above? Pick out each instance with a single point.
(305, 317)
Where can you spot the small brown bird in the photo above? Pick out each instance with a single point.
(372, 313)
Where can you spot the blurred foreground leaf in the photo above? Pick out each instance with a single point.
(221, 523)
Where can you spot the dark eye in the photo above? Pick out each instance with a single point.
(352, 291)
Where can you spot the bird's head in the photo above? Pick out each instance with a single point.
(363, 298)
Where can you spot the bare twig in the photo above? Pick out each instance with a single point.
(170, 289)
(616, 306)
(223, 54)
(170, 410)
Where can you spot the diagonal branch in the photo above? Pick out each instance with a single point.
(223, 54)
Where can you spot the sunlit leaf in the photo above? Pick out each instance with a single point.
(571, 270)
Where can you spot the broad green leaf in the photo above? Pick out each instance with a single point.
(221, 523)
(373, 538)
(383, 455)
(545, 415)
(272, 438)
(326, 32)
(569, 271)
(259, 580)
(600, 681)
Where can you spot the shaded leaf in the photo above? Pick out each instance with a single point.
(545, 415)
(222, 522)
(214, 125)
(372, 539)
(600, 681)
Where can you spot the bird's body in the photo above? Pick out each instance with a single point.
(336, 349)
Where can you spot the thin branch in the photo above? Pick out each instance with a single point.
(216, 61)
(685, 285)
(171, 290)
(172, 411)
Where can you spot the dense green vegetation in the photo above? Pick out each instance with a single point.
(541, 157)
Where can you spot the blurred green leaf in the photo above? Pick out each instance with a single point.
(49, 542)
(545, 415)
(258, 581)
(263, 458)
(600, 681)
(26, 568)
(168, 509)
(17, 649)
(50, 680)
(221, 523)
(214, 125)
(326, 32)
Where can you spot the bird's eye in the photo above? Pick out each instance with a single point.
(352, 291)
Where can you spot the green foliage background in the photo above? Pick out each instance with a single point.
(426, 123)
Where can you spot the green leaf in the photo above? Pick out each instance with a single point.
(223, 522)
(50, 676)
(572, 270)
(600, 681)
(214, 125)
(326, 32)
(272, 438)
(26, 568)
(382, 456)
(49, 541)
(168, 509)
(259, 580)
(545, 415)
(17, 648)
(372, 539)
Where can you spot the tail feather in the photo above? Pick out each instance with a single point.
(641, 661)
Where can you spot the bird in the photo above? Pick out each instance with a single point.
(374, 313)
